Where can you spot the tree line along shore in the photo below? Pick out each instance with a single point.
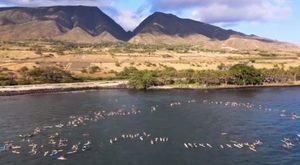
(235, 76)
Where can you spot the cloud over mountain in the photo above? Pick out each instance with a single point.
(57, 2)
(211, 11)
(225, 11)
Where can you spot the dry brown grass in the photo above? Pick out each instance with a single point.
(14, 57)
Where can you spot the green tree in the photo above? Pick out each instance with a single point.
(142, 79)
(246, 75)
(127, 71)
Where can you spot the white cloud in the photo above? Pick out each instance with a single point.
(129, 20)
(227, 11)
(222, 13)
(211, 11)
(57, 2)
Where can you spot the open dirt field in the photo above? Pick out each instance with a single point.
(112, 58)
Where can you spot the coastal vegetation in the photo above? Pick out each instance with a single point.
(143, 65)
(239, 74)
(43, 75)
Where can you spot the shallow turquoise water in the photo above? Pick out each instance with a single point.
(245, 115)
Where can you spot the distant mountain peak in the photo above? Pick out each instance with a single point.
(90, 19)
(158, 13)
(90, 24)
(172, 25)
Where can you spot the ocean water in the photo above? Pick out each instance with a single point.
(169, 119)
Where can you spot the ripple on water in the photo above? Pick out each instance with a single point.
(175, 117)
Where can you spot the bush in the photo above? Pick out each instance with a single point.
(23, 70)
(117, 64)
(127, 71)
(222, 66)
(141, 80)
(24, 81)
(83, 70)
(7, 79)
(49, 75)
(94, 69)
(246, 75)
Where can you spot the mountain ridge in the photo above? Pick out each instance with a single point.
(90, 24)
(184, 27)
(90, 19)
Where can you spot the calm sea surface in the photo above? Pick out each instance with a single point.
(169, 119)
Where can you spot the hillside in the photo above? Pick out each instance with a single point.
(20, 23)
(172, 25)
(84, 24)
(161, 28)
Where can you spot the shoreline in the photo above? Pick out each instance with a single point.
(117, 84)
(190, 87)
(61, 87)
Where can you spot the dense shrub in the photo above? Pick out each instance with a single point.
(141, 79)
(7, 79)
(48, 75)
(246, 75)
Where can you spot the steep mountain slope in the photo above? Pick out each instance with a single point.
(172, 25)
(29, 30)
(84, 24)
(90, 19)
(77, 35)
(161, 28)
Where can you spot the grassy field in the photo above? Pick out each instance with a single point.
(103, 60)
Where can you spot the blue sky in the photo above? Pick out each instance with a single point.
(287, 29)
(275, 19)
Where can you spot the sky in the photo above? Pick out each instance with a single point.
(274, 19)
